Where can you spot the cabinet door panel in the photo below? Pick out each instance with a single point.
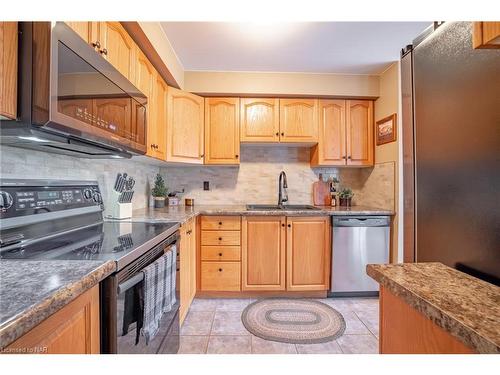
(222, 131)
(185, 127)
(84, 29)
(159, 137)
(8, 69)
(308, 253)
(298, 120)
(145, 81)
(263, 253)
(259, 120)
(72, 330)
(331, 147)
(360, 146)
(120, 48)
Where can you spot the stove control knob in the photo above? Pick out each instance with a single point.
(87, 194)
(97, 197)
(5, 200)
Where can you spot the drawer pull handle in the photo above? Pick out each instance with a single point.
(283, 225)
(289, 225)
(220, 238)
(220, 222)
(220, 269)
(220, 254)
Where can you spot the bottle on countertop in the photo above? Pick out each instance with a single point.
(332, 181)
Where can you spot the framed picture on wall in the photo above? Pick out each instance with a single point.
(386, 129)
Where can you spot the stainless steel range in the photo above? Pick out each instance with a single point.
(45, 220)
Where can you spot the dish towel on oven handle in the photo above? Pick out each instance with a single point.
(159, 292)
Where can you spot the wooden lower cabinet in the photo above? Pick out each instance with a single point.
(221, 276)
(72, 330)
(263, 253)
(187, 278)
(486, 35)
(404, 330)
(308, 252)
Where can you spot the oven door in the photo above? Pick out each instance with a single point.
(89, 98)
(122, 311)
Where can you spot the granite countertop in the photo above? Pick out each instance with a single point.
(466, 307)
(31, 291)
(183, 213)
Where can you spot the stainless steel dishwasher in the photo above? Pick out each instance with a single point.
(357, 241)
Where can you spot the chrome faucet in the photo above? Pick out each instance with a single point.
(282, 186)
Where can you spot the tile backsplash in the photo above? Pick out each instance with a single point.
(22, 163)
(256, 179)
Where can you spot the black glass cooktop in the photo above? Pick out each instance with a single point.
(105, 241)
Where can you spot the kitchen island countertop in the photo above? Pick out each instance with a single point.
(464, 306)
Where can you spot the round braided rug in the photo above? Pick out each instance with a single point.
(296, 321)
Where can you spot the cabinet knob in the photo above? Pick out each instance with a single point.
(289, 225)
(349, 157)
(283, 225)
(96, 44)
(220, 238)
(343, 157)
(282, 134)
(220, 254)
(277, 133)
(202, 155)
(237, 156)
(220, 222)
(104, 51)
(220, 269)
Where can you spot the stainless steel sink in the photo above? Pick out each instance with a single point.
(288, 207)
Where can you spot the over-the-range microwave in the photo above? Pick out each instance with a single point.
(71, 100)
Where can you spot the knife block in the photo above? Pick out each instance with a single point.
(119, 210)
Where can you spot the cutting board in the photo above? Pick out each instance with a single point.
(321, 193)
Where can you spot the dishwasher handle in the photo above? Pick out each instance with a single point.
(361, 221)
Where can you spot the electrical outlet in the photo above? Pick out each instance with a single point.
(206, 185)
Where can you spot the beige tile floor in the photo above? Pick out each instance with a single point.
(214, 326)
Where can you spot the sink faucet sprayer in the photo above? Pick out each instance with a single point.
(282, 186)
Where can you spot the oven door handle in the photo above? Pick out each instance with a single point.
(138, 277)
(129, 283)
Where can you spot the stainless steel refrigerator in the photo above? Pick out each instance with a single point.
(451, 151)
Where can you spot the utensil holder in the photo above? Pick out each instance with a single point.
(119, 210)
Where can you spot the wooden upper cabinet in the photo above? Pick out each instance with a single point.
(308, 253)
(331, 147)
(298, 120)
(263, 253)
(486, 35)
(8, 70)
(74, 329)
(185, 127)
(87, 30)
(359, 132)
(118, 48)
(145, 77)
(222, 131)
(259, 120)
(159, 121)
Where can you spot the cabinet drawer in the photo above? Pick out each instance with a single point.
(221, 253)
(220, 238)
(221, 276)
(221, 222)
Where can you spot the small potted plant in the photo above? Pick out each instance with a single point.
(159, 192)
(345, 197)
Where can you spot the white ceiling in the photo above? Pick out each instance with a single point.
(318, 47)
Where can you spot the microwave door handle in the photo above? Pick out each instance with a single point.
(129, 283)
